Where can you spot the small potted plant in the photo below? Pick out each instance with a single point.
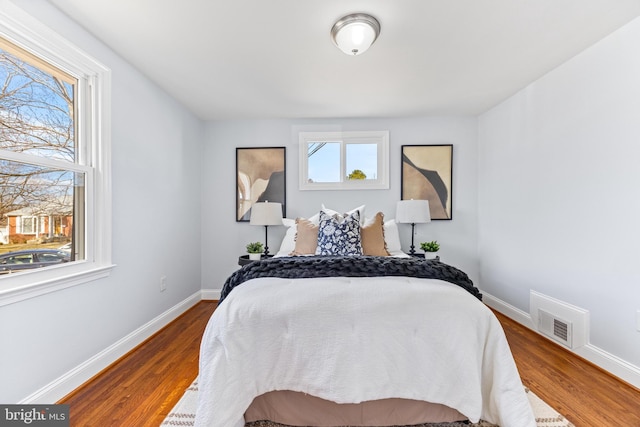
(430, 249)
(254, 250)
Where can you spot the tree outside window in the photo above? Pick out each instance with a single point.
(41, 190)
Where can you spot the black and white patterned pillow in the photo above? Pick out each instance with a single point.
(337, 237)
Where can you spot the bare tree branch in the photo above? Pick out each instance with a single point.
(36, 117)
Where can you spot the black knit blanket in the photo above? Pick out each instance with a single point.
(348, 266)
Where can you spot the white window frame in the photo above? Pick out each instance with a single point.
(30, 219)
(94, 134)
(380, 138)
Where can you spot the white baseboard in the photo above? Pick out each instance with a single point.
(60, 387)
(611, 363)
(211, 294)
(607, 361)
(508, 310)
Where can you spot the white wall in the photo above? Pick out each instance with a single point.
(156, 212)
(224, 239)
(558, 194)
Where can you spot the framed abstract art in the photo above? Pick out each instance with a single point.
(426, 174)
(260, 177)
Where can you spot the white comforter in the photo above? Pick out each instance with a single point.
(356, 339)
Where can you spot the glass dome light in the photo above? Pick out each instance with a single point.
(355, 33)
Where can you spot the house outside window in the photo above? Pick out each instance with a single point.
(54, 155)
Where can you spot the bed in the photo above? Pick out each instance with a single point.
(355, 340)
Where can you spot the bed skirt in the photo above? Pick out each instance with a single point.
(300, 409)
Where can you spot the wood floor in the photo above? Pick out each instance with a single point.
(580, 391)
(142, 387)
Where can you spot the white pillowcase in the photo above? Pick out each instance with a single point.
(331, 212)
(392, 237)
(288, 222)
(288, 244)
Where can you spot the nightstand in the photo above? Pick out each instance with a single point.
(244, 259)
(420, 255)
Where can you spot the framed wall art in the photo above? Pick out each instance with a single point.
(260, 177)
(426, 174)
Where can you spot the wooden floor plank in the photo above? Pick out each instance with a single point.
(142, 387)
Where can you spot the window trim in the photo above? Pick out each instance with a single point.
(94, 93)
(34, 226)
(381, 138)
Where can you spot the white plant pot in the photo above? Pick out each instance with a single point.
(430, 255)
(255, 257)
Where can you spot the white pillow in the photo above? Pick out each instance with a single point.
(314, 219)
(392, 237)
(332, 212)
(288, 222)
(288, 244)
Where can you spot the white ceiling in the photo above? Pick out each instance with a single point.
(229, 59)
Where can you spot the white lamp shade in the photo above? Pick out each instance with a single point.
(266, 213)
(413, 211)
(354, 34)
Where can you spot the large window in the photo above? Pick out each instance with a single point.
(54, 156)
(41, 174)
(344, 160)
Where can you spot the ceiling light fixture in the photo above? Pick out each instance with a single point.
(355, 33)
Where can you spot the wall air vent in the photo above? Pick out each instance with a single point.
(555, 328)
(560, 321)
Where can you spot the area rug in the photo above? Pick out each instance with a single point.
(184, 414)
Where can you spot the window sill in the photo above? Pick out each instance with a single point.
(33, 284)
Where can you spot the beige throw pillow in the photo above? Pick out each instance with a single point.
(306, 238)
(372, 236)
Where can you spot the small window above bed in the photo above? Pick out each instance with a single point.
(344, 160)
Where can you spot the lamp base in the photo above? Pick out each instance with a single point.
(412, 250)
(266, 246)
